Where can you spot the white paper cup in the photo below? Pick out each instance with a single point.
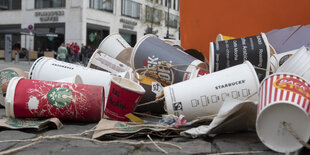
(72, 79)
(49, 69)
(277, 60)
(283, 97)
(101, 61)
(298, 63)
(113, 45)
(227, 53)
(150, 51)
(205, 95)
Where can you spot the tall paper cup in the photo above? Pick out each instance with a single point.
(101, 61)
(6, 75)
(123, 98)
(50, 69)
(204, 95)
(224, 54)
(283, 98)
(113, 45)
(277, 60)
(299, 64)
(72, 79)
(35, 98)
(151, 51)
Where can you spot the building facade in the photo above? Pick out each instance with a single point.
(45, 24)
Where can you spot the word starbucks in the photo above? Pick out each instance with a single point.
(49, 15)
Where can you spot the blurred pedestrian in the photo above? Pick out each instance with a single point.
(62, 52)
(86, 54)
(76, 50)
(69, 55)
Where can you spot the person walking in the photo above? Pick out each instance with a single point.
(62, 52)
(76, 50)
(86, 54)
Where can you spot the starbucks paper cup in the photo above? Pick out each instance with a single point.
(283, 97)
(150, 51)
(6, 75)
(277, 60)
(50, 69)
(123, 98)
(299, 64)
(72, 79)
(103, 62)
(205, 95)
(113, 45)
(224, 54)
(35, 98)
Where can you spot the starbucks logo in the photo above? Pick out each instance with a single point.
(6, 75)
(60, 97)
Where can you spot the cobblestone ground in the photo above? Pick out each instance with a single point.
(234, 143)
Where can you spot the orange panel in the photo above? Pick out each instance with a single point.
(202, 20)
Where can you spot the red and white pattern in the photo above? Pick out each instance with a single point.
(284, 88)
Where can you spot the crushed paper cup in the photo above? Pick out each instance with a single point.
(277, 60)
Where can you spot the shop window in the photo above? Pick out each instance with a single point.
(173, 20)
(131, 9)
(153, 15)
(10, 5)
(39, 4)
(105, 5)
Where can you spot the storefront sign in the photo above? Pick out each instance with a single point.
(128, 24)
(49, 16)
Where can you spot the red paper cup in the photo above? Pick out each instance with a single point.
(35, 98)
(283, 98)
(123, 98)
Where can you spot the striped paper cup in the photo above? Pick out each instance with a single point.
(283, 98)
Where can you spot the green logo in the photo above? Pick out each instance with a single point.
(20, 123)
(60, 97)
(7, 75)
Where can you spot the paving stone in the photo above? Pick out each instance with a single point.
(239, 142)
(115, 149)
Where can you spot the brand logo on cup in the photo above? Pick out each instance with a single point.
(177, 106)
(293, 85)
(60, 97)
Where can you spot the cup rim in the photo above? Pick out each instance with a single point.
(9, 99)
(137, 87)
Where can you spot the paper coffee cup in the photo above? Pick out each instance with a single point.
(150, 51)
(49, 69)
(113, 45)
(224, 54)
(40, 99)
(72, 79)
(298, 63)
(103, 62)
(277, 60)
(205, 95)
(6, 75)
(283, 97)
(124, 96)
